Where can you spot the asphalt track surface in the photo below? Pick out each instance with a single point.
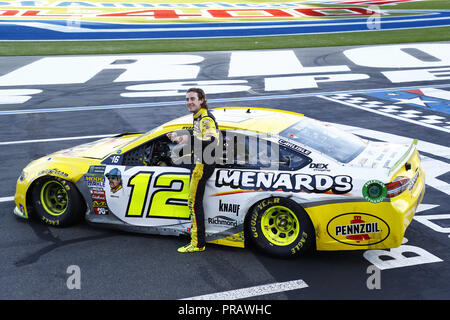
(119, 265)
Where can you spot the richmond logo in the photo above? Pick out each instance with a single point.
(223, 221)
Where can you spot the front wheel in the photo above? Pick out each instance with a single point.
(57, 202)
(280, 227)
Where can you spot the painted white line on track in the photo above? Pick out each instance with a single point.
(6, 199)
(253, 291)
(386, 114)
(55, 139)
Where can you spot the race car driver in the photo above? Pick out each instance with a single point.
(205, 132)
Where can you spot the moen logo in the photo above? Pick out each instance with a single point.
(223, 221)
(358, 229)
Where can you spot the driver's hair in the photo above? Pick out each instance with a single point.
(200, 95)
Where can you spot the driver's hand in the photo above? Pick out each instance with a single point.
(172, 136)
(176, 138)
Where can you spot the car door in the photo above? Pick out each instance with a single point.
(144, 188)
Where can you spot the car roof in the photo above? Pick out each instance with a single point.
(260, 120)
(245, 118)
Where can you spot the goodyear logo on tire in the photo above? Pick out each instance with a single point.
(358, 229)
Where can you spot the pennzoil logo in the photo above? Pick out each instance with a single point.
(358, 229)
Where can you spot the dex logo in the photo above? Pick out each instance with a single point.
(319, 166)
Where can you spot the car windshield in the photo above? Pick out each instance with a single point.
(337, 144)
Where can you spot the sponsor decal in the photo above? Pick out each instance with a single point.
(95, 181)
(98, 195)
(54, 172)
(319, 183)
(100, 204)
(229, 207)
(319, 166)
(165, 5)
(358, 229)
(413, 181)
(97, 170)
(78, 20)
(143, 12)
(100, 211)
(374, 191)
(223, 221)
(114, 159)
(294, 146)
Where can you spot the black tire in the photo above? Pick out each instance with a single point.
(280, 227)
(57, 202)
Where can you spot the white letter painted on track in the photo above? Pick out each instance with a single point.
(303, 82)
(417, 75)
(179, 88)
(396, 257)
(426, 221)
(72, 70)
(263, 63)
(399, 56)
(17, 95)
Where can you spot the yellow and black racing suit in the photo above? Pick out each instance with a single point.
(205, 133)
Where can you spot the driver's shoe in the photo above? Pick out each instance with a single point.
(190, 248)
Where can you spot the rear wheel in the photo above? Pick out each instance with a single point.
(280, 227)
(57, 202)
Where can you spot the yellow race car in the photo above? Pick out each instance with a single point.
(283, 182)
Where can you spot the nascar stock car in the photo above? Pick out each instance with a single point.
(288, 184)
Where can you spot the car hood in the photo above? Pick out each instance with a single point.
(98, 149)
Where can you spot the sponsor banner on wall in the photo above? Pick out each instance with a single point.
(99, 20)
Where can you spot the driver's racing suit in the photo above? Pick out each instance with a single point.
(205, 133)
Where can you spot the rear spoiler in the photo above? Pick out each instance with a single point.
(404, 157)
